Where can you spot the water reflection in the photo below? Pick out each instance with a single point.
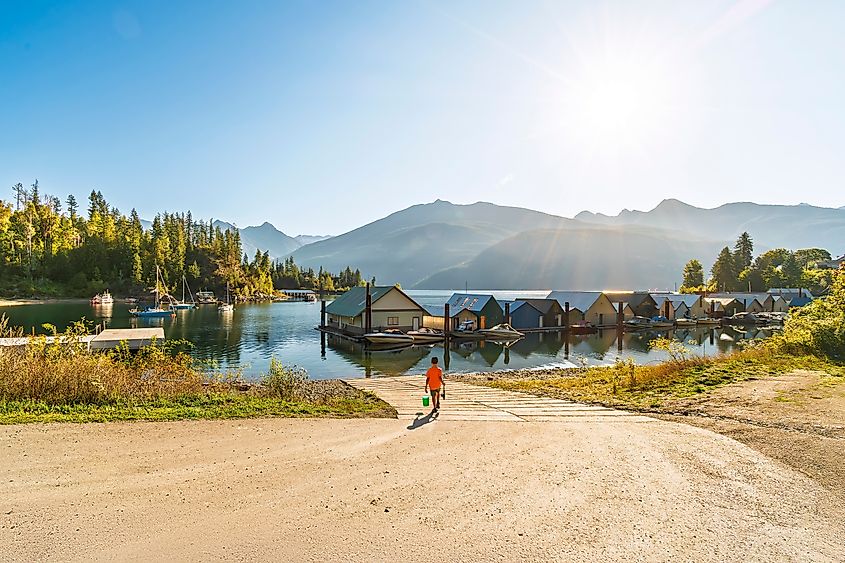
(247, 338)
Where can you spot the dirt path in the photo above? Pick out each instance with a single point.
(796, 418)
(352, 490)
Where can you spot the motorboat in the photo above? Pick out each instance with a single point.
(582, 327)
(707, 321)
(661, 322)
(426, 334)
(743, 318)
(502, 331)
(206, 298)
(684, 322)
(389, 336)
(104, 298)
(638, 323)
(467, 330)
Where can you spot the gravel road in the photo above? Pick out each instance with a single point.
(355, 490)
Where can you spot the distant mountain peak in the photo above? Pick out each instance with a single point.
(672, 204)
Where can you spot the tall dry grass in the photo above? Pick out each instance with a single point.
(66, 372)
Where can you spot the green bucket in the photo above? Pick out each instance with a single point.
(425, 400)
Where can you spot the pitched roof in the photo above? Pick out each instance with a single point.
(353, 302)
(581, 300)
(525, 303)
(474, 302)
(799, 301)
(790, 292)
(688, 299)
(542, 305)
(631, 298)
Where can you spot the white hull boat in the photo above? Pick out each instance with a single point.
(501, 332)
(426, 335)
(389, 337)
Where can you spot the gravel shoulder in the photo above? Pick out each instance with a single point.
(368, 489)
(796, 418)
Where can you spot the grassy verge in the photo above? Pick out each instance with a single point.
(213, 405)
(648, 387)
(65, 382)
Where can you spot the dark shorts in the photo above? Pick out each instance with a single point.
(435, 392)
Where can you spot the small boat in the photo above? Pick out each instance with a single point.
(684, 321)
(426, 334)
(389, 336)
(206, 298)
(502, 331)
(582, 327)
(661, 322)
(638, 323)
(726, 337)
(156, 311)
(103, 298)
(742, 318)
(226, 307)
(467, 330)
(708, 321)
(130, 300)
(183, 304)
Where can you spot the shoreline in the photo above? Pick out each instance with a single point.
(13, 302)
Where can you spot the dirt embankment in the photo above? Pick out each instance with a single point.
(796, 418)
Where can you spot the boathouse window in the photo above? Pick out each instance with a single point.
(392, 321)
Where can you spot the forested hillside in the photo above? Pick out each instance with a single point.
(50, 247)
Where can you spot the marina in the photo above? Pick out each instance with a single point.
(246, 339)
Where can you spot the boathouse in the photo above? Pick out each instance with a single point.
(752, 302)
(723, 306)
(591, 306)
(680, 305)
(641, 303)
(550, 313)
(483, 310)
(390, 308)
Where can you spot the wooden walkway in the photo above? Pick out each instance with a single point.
(474, 402)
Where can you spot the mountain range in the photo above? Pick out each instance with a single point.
(443, 245)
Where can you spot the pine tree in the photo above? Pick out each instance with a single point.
(743, 252)
(693, 274)
(723, 276)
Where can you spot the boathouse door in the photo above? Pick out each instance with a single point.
(416, 323)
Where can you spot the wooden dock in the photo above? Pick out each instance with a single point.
(135, 338)
(108, 339)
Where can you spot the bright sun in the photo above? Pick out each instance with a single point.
(619, 103)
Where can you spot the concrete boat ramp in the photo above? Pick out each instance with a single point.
(107, 339)
(474, 402)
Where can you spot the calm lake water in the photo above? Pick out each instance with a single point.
(246, 340)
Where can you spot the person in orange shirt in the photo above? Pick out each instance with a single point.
(434, 383)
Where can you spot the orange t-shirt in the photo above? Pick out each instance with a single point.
(434, 377)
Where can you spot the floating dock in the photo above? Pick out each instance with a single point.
(135, 338)
(108, 339)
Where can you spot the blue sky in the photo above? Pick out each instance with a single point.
(322, 116)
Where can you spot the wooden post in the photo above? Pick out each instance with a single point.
(566, 317)
(323, 313)
(368, 312)
(666, 307)
(507, 313)
(620, 317)
(712, 309)
(447, 322)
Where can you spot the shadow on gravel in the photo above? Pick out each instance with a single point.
(421, 420)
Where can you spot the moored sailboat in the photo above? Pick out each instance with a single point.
(156, 311)
(226, 307)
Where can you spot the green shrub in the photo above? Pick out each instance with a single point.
(819, 327)
(285, 382)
